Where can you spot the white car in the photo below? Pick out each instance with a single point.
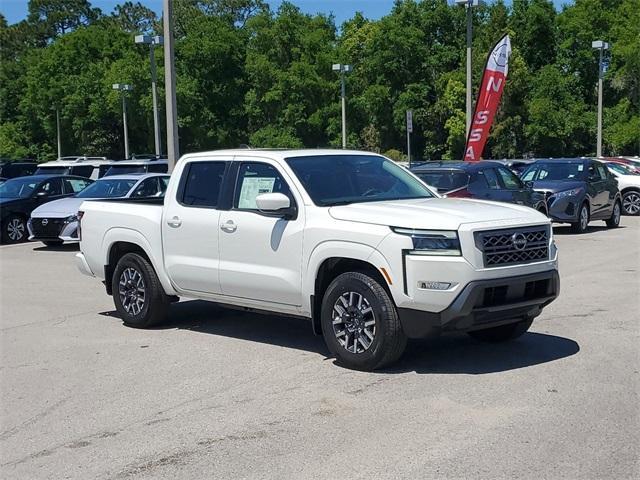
(56, 222)
(348, 239)
(82, 166)
(629, 185)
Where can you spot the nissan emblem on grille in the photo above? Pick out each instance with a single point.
(45, 221)
(513, 246)
(519, 241)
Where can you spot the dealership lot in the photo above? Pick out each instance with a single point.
(218, 393)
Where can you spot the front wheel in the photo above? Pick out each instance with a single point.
(14, 229)
(503, 333)
(583, 220)
(360, 323)
(631, 203)
(614, 220)
(138, 296)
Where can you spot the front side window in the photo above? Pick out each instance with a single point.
(158, 168)
(509, 180)
(52, 171)
(75, 185)
(147, 188)
(107, 188)
(18, 188)
(50, 188)
(491, 178)
(559, 171)
(202, 184)
(602, 173)
(256, 178)
(82, 170)
(343, 179)
(444, 180)
(125, 170)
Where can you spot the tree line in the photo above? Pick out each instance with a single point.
(247, 74)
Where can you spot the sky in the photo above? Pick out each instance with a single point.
(16, 10)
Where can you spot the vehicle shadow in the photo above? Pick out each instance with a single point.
(566, 229)
(450, 354)
(65, 247)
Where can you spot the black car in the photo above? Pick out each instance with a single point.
(20, 196)
(577, 191)
(482, 180)
(17, 169)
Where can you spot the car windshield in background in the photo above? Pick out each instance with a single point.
(112, 188)
(52, 171)
(18, 188)
(563, 171)
(622, 169)
(343, 179)
(444, 180)
(125, 169)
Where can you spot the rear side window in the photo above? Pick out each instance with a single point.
(444, 180)
(74, 185)
(82, 171)
(509, 179)
(491, 178)
(158, 168)
(202, 182)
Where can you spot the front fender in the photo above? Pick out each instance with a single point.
(120, 234)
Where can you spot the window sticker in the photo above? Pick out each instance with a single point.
(580, 167)
(251, 188)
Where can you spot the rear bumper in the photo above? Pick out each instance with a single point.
(82, 265)
(486, 303)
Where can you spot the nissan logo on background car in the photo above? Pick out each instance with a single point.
(519, 241)
(45, 221)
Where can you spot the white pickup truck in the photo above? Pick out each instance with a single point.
(347, 239)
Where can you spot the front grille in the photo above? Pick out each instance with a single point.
(50, 229)
(513, 246)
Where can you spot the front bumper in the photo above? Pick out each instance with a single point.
(55, 229)
(564, 209)
(485, 304)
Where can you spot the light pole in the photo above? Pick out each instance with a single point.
(601, 46)
(58, 133)
(469, 4)
(173, 147)
(152, 41)
(123, 88)
(342, 68)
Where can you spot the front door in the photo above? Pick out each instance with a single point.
(190, 228)
(261, 255)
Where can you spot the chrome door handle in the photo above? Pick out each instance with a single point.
(175, 222)
(228, 226)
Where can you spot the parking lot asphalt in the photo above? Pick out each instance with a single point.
(218, 393)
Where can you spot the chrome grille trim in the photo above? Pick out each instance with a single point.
(507, 246)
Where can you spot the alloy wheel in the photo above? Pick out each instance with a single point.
(132, 291)
(631, 203)
(354, 323)
(584, 218)
(15, 230)
(616, 213)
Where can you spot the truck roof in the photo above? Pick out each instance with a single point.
(277, 153)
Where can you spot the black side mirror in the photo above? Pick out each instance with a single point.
(528, 184)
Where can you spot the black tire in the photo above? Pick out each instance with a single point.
(53, 243)
(581, 226)
(153, 307)
(614, 220)
(14, 229)
(631, 203)
(388, 342)
(503, 333)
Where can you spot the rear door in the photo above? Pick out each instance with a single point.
(190, 227)
(492, 188)
(513, 187)
(261, 255)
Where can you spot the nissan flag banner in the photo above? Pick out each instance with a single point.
(493, 78)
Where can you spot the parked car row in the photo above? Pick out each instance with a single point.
(44, 207)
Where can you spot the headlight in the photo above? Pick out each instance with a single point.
(574, 192)
(71, 218)
(432, 242)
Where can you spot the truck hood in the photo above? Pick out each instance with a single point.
(434, 213)
(554, 186)
(59, 208)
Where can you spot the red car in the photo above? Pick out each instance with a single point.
(634, 164)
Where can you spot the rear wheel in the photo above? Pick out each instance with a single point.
(14, 229)
(503, 333)
(137, 294)
(583, 220)
(360, 323)
(631, 203)
(614, 220)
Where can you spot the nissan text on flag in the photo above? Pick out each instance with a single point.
(347, 239)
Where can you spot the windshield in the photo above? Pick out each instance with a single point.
(18, 188)
(342, 179)
(444, 180)
(125, 169)
(111, 188)
(622, 169)
(562, 171)
(52, 171)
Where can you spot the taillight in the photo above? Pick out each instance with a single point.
(460, 193)
(80, 215)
